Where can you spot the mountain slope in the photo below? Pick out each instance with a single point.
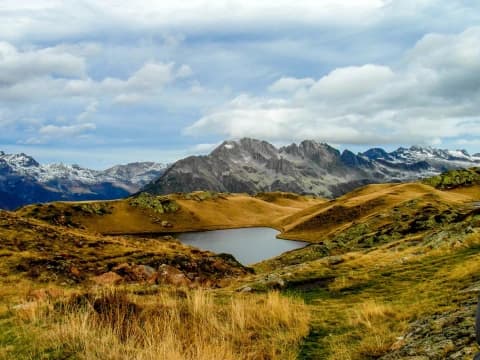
(251, 166)
(143, 213)
(23, 181)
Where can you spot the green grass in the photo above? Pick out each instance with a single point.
(413, 290)
(455, 178)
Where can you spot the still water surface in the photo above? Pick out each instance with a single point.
(248, 245)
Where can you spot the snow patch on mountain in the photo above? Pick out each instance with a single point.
(22, 178)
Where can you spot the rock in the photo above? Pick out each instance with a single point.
(108, 278)
(245, 289)
(172, 276)
(134, 273)
(44, 294)
(27, 309)
(335, 260)
(75, 271)
(166, 224)
(449, 335)
(274, 281)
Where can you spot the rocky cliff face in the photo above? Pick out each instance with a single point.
(23, 181)
(251, 166)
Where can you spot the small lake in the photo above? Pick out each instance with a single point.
(248, 245)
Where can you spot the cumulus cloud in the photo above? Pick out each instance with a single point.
(19, 66)
(433, 94)
(61, 72)
(290, 84)
(351, 81)
(66, 133)
(89, 111)
(335, 70)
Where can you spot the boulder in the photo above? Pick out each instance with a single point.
(108, 278)
(166, 224)
(44, 294)
(134, 273)
(172, 276)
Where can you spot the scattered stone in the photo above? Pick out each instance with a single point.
(134, 273)
(449, 335)
(245, 289)
(44, 294)
(75, 271)
(28, 307)
(335, 260)
(166, 224)
(109, 278)
(273, 281)
(172, 276)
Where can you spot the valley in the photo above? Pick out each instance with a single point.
(391, 271)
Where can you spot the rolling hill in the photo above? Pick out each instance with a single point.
(392, 272)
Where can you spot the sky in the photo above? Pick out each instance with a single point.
(102, 82)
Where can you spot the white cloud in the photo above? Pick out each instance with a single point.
(151, 75)
(19, 66)
(89, 111)
(129, 99)
(290, 84)
(351, 81)
(54, 73)
(434, 94)
(66, 133)
(203, 148)
(45, 19)
(50, 131)
(184, 71)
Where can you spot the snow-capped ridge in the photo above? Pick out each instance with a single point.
(28, 181)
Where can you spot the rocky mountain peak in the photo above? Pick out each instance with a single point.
(251, 165)
(245, 149)
(19, 160)
(23, 180)
(376, 153)
(350, 159)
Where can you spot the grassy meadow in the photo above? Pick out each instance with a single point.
(392, 272)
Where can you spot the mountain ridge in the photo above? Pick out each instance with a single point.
(251, 165)
(23, 180)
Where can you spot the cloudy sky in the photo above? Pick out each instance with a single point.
(99, 82)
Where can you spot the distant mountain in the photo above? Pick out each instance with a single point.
(23, 180)
(251, 166)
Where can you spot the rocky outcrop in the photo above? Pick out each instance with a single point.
(448, 335)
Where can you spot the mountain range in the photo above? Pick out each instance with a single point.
(251, 166)
(23, 180)
(246, 165)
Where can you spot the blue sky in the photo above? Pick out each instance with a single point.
(105, 82)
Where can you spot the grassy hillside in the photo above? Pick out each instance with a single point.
(400, 278)
(69, 293)
(455, 179)
(364, 212)
(174, 213)
(36, 251)
(166, 324)
(392, 272)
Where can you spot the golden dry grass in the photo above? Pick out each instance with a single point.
(222, 212)
(116, 325)
(319, 222)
